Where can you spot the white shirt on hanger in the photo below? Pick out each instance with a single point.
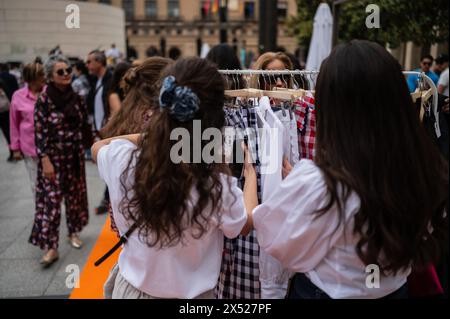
(273, 277)
(182, 271)
(288, 229)
(293, 133)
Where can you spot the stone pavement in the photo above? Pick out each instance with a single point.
(21, 275)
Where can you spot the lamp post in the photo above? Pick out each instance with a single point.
(223, 10)
(268, 25)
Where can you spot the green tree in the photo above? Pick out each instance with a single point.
(424, 22)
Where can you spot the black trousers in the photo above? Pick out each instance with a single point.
(303, 288)
(4, 124)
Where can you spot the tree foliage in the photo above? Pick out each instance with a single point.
(424, 22)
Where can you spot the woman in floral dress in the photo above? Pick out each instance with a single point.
(60, 120)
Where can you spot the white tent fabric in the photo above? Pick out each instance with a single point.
(205, 50)
(321, 41)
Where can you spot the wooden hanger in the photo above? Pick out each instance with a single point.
(244, 93)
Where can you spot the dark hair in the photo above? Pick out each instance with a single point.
(140, 89)
(225, 58)
(441, 59)
(4, 67)
(174, 53)
(427, 56)
(81, 66)
(370, 141)
(99, 56)
(161, 192)
(299, 79)
(116, 82)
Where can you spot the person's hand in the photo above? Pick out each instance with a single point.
(249, 169)
(48, 169)
(445, 107)
(287, 168)
(17, 155)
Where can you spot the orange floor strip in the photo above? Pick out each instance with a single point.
(93, 278)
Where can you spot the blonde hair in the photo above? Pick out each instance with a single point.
(32, 71)
(264, 60)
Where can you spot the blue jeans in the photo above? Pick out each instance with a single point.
(303, 288)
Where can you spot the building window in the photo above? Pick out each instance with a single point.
(151, 9)
(128, 7)
(282, 8)
(249, 10)
(174, 8)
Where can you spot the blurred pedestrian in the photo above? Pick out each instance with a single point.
(21, 117)
(440, 64)
(98, 102)
(225, 58)
(113, 55)
(9, 86)
(174, 53)
(60, 118)
(443, 83)
(425, 66)
(81, 83)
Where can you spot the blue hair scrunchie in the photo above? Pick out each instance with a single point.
(181, 102)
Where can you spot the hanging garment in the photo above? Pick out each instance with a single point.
(239, 273)
(305, 112)
(285, 119)
(273, 277)
(295, 154)
(290, 137)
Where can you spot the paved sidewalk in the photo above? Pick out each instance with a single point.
(21, 275)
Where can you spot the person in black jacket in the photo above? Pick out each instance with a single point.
(97, 101)
(9, 85)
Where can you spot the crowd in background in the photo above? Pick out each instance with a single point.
(52, 111)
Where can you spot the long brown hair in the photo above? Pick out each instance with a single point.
(370, 141)
(262, 63)
(140, 89)
(160, 198)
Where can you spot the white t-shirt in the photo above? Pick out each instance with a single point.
(443, 80)
(288, 230)
(113, 52)
(99, 111)
(181, 271)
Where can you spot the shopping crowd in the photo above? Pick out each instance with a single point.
(362, 179)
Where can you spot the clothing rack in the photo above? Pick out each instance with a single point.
(267, 72)
(422, 77)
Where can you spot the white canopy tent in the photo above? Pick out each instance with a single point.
(322, 36)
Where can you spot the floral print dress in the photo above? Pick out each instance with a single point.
(62, 141)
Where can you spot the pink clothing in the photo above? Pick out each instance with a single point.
(21, 117)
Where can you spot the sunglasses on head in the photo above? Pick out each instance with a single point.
(62, 72)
